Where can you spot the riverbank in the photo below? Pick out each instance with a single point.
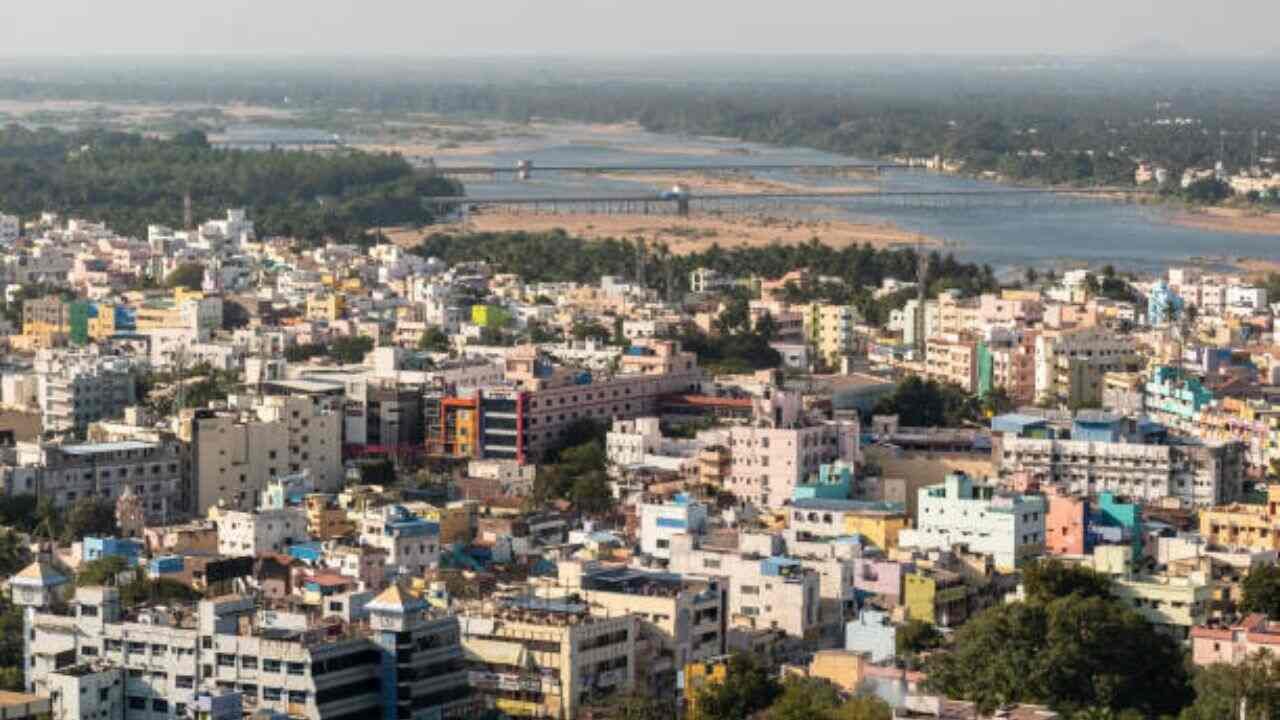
(1227, 219)
(683, 236)
(731, 183)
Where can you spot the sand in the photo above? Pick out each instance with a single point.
(701, 183)
(1236, 220)
(682, 235)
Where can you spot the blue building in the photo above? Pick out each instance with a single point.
(1163, 305)
(96, 548)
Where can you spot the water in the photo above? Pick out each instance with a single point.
(1042, 234)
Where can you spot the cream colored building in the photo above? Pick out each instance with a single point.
(536, 657)
(237, 451)
(1177, 603)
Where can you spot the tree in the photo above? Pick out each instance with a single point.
(186, 275)
(767, 327)
(747, 689)
(18, 511)
(1071, 653)
(926, 403)
(916, 636)
(377, 471)
(804, 699)
(13, 553)
(1262, 591)
(1220, 690)
(103, 571)
(632, 705)
(350, 349)
(1047, 579)
(90, 517)
(862, 707)
(434, 340)
(11, 645)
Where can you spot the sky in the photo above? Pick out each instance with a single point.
(523, 27)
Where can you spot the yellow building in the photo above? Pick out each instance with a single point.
(326, 520)
(935, 596)
(1240, 526)
(328, 307)
(698, 675)
(841, 668)
(829, 329)
(455, 521)
(880, 528)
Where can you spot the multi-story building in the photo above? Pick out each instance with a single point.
(1234, 644)
(156, 473)
(1006, 526)
(768, 461)
(168, 656)
(539, 657)
(533, 410)
(952, 358)
(411, 543)
(264, 531)
(765, 590)
(659, 522)
(236, 452)
(1177, 603)
(879, 523)
(1071, 364)
(1198, 475)
(424, 674)
(1244, 526)
(680, 619)
(76, 389)
(829, 329)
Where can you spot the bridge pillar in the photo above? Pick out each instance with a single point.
(524, 169)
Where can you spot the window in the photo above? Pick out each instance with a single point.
(297, 668)
(271, 666)
(271, 694)
(160, 706)
(248, 662)
(749, 590)
(137, 703)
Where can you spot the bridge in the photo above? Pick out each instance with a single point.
(681, 202)
(524, 169)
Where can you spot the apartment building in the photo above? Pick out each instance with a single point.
(75, 389)
(768, 461)
(423, 667)
(1176, 603)
(536, 405)
(411, 543)
(237, 452)
(829, 329)
(262, 531)
(1008, 527)
(157, 473)
(1244, 526)
(1198, 475)
(879, 523)
(952, 358)
(1233, 644)
(1071, 364)
(168, 656)
(659, 522)
(680, 619)
(765, 591)
(539, 657)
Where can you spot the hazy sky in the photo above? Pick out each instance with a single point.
(454, 27)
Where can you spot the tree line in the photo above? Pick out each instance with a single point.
(129, 182)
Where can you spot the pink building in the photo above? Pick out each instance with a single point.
(1064, 524)
(879, 577)
(994, 309)
(766, 463)
(1230, 645)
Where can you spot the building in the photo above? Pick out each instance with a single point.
(952, 358)
(539, 657)
(1008, 527)
(1244, 526)
(768, 461)
(879, 523)
(659, 522)
(1234, 644)
(872, 634)
(163, 659)
(829, 329)
(156, 472)
(766, 591)
(1177, 603)
(538, 403)
(411, 543)
(237, 452)
(1198, 475)
(75, 389)
(1071, 364)
(424, 674)
(262, 531)
(681, 620)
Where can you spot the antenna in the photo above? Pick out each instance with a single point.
(186, 211)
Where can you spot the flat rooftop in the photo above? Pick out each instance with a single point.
(97, 448)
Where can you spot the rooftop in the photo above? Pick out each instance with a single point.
(106, 447)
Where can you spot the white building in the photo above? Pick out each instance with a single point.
(251, 533)
(660, 522)
(1008, 527)
(10, 228)
(78, 388)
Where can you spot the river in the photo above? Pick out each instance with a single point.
(1041, 234)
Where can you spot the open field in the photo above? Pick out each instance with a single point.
(683, 235)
